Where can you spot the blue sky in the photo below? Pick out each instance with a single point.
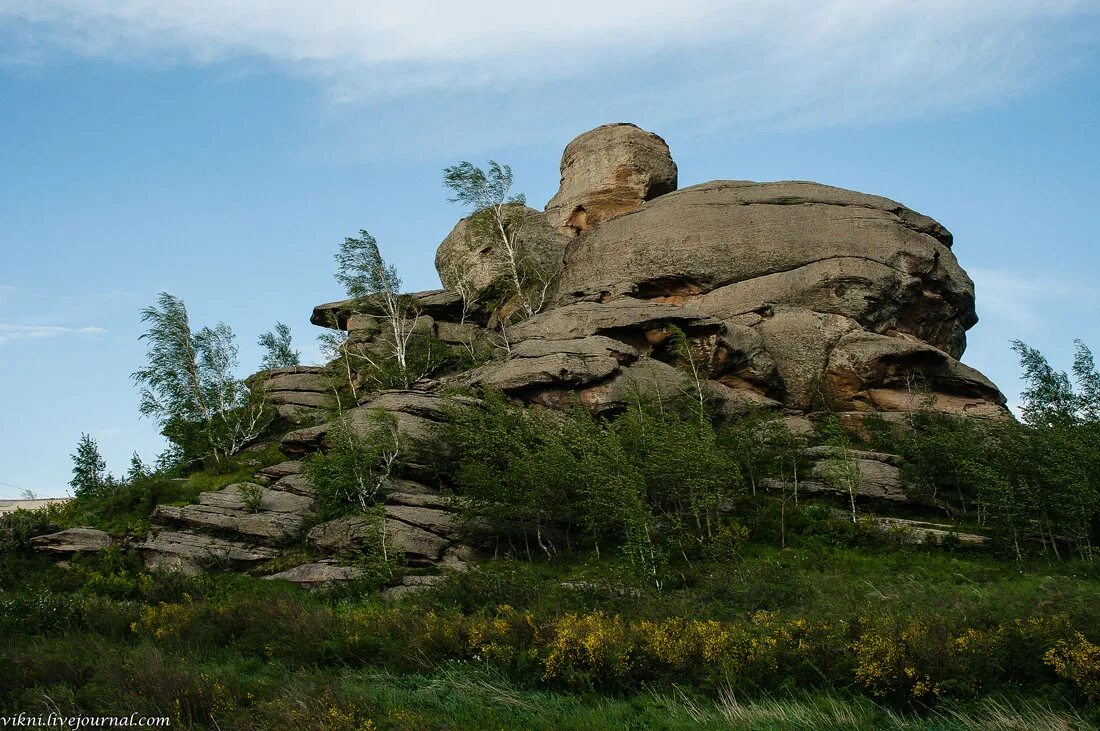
(220, 151)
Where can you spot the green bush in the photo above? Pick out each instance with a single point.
(350, 474)
(19, 527)
(650, 483)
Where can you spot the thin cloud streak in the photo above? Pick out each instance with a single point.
(789, 61)
(1024, 301)
(9, 333)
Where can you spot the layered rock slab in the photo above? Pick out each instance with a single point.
(686, 244)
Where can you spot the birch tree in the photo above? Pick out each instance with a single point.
(365, 275)
(279, 351)
(496, 218)
(188, 385)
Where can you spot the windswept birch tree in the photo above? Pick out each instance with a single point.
(496, 218)
(188, 385)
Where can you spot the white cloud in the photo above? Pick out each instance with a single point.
(793, 61)
(9, 333)
(1025, 301)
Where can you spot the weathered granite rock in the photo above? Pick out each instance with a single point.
(800, 342)
(826, 452)
(420, 546)
(281, 470)
(606, 172)
(917, 531)
(191, 552)
(877, 480)
(341, 534)
(467, 261)
(411, 585)
(684, 245)
(441, 522)
(71, 541)
(294, 392)
(320, 573)
(618, 318)
(518, 374)
(439, 304)
(862, 360)
(276, 518)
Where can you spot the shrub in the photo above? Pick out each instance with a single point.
(251, 495)
(19, 527)
(350, 474)
(1077, 661)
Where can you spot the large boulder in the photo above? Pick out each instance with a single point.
(353, 533)
(862, 362)
(319, 573)
(606, 172)
(624, 319)
(71, 541)
(794, 244)
(475, 261)
(341, 315)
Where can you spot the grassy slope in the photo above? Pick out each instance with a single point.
(67, 637)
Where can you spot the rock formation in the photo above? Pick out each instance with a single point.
(793, 297)
(606, 172)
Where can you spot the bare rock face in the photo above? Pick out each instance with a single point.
(71, 541)
(342, 535)
(296, 393)
(828, 296)
(192, 552)
(727, 248)
(791, 295)
(320, 573)
(278, 515)
(606, 172)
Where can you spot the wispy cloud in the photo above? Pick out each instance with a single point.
(8, 333)
(786, 60)
(1025, 301)
(5, 292)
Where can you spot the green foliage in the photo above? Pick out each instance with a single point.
(279, 351)
(841, 469)
(89, 469)
(688, 474)
(395, 356)
(137, 470)
(1034, 480)
(360, 457)
(189, 387)
(18, 527)
(363, 272)
(251, 495)
(479, 189)
(650, 482)
(125, 509)
(763, 446)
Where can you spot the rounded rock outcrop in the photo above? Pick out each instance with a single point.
(728, 248)
(606, 172)
(477, 264)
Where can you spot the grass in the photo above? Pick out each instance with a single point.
(460, 696)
